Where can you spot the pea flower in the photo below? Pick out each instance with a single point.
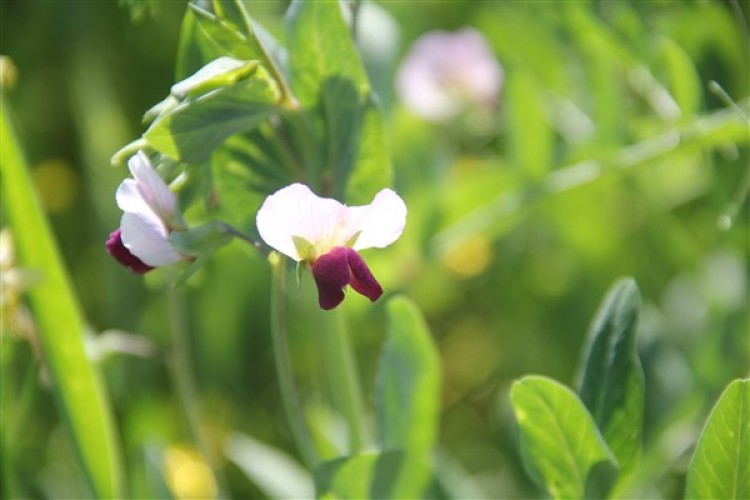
(327, 235)
(445, 73)
(141, 243)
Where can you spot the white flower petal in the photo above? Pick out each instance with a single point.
(381, 222)
(130, 198)
(296, 211)
(148, 239)
(153, 189)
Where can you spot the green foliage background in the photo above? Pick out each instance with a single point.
(511, 241)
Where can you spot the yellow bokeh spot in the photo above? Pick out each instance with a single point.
(57, 184)
(187, 475)
(470, 257)
(8, 73)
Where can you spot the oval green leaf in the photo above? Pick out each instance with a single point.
(720, 467)
(611, 381)
(561, 447)
(408, 395)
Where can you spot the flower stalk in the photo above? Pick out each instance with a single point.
(182, 373)
(289, 397)
(343, 378)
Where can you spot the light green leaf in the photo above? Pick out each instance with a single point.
(611, 379)
(560, 445)
(408, 395)
(215, 75)
(190, 131)
(80, 397)
(720, 467)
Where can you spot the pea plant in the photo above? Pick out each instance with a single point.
(280, 144)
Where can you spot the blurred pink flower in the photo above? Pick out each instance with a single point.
(445, 73)
(326, 235)
(141, 243)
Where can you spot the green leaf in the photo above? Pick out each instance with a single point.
(223, 37)
(215, 103)
(215, 75)
(560, 445)
(79, 394)
(321, 48)
(408, 395)
(611, 380)
(371, 169)
(720, 467)
(330, 82)
(369, 475)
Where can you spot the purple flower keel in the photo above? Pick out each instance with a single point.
(338, 268)
(117, 249)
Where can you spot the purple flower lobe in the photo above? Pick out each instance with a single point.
(340, 267)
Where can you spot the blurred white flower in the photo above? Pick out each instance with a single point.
(142, 241)
(326, 235)
(445, 73)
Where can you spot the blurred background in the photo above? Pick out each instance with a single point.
(513, 237)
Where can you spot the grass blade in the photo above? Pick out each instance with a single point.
(80, 397)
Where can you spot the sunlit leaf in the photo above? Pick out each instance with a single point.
(560, 445)
(329, 80)
(225, 37)
(408, 395)
(372, 169)
(218, 103)
(611, 380)
(321, 49)
(81, 400)
(720, 467)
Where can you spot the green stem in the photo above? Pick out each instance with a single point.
(341, 367)
(182, 373)
(289, 396)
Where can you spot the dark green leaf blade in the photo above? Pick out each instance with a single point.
(372, 169)
(720, 467)
(560, 445)
(611, 379)
(321, 47)
(328, 78)
(408, 395)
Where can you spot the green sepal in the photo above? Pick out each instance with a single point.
(351, 241)
(305, 249)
